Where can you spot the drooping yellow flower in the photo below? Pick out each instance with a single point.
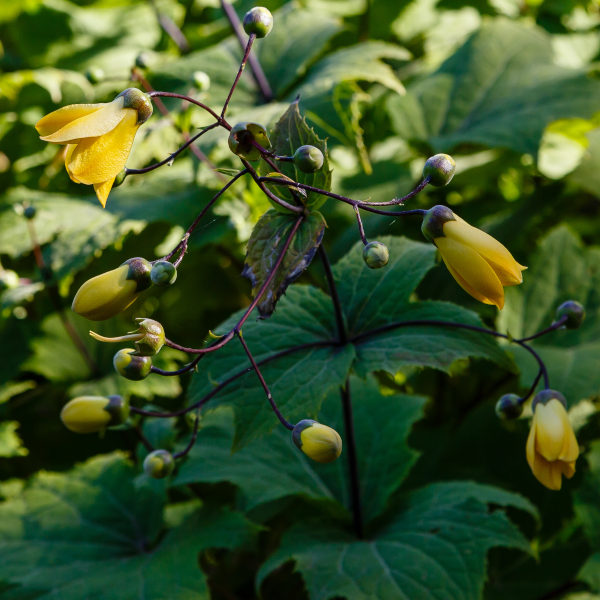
(481, 265)
(89, 414)
(551, 446)
(98, 137)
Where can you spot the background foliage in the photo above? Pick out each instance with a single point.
(511, 89)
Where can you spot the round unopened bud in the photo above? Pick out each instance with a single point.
(89, 414)
(136, 99)
(439, 169)
(131, 366)
(242, 137)
(545, 396)
(509, 406)
(153, 337)
(201, 81)
(29, 212)
(308, 158)
(8, 280)
(574, 311)
(433, 221)
(376, 255)
(159, 464)
(319, 442)
(163, 273)
(258, 21)
(95, 74)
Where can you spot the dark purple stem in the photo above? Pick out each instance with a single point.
(239, 73)
(552, 327)
(192, 439)
(220, 120)
(361, 229)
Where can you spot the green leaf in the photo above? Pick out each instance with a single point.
(291, 132)
(376, 298)
(10, 442)
(265, 245)
(500, 89)
(587, 174)
(299, 381)
(560, 270)
(434, 547)
(96, 532)
(272, 467)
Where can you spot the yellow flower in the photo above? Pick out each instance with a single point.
(551, 446)
(109, 293)
(481, 265)
(98, 137)
(319, 442)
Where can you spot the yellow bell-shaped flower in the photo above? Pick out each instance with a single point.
(319, 442)
(98, 137)
(89, 414)
(551, 446)
(480, 264)
(109, 293)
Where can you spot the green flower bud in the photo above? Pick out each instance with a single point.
(8, 280)
(89, 414)
(29, 211)
(509, 406)
(149, 337)
(131, 366)
(258, 21)
(319, 442)
(439, 169)
(574, 311)
(433, 221)
(109, 293)
(201, 80)
(376, 255)
(308, 159)
(241, 137)
(94, 74)
(545, 396)
(163, 273)
(159, 464)
(136, 99)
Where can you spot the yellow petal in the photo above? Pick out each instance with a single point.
(570, 449)
(550, 429)
(471, 271)
(102, 190)
(547, 473)
(91, 125)
(96, 160)
(56, 120)
(568, 469)
(69, 151)
(530, 447)
(501, 260)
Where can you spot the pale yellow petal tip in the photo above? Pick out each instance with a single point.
(103, 190)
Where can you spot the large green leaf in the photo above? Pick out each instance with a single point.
(272, 467)
(500, 90)
(266, 243)
(375, 298)
(560, 270)
(97, 532)
(434, 548)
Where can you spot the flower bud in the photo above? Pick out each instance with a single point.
(163, 273)
(159, 464)
(149, 337)
(319, 442)
(546, 396)
(376, 255)
(95, 74)
(131, 366)
(29, 211)
(107, 294)
(136, 99)
(120, 178)
(242, 136)
(308, 158)
(439, 169)
(574, 312)
(8, 280)
(509, 406)
(433, 221)
(258, 21)
(201, 80)
(89, 414)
